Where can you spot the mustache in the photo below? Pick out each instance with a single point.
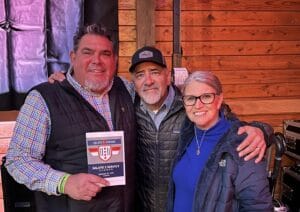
(95, 67)
(146, 87)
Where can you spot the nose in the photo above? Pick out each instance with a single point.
(198, 103)
(148, 79)
(96, 59)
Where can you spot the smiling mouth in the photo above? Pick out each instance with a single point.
(96, 70)
(199, 113)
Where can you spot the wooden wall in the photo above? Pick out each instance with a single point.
(253, 46)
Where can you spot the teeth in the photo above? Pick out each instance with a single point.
(199, 113)
(96, 70)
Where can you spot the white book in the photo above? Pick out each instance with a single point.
(106, 156)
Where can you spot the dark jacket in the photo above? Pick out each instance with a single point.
(71, 117)
(155, 151)
(227, 182)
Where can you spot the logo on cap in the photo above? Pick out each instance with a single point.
(145, 54)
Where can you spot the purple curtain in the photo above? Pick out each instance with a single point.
(36, 37)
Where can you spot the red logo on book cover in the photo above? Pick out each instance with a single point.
(105, 152)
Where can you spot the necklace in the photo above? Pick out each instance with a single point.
(201, 141)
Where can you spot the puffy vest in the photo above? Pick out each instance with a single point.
(155, 152)
(71, 117)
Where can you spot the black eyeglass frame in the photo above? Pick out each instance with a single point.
(201, 97)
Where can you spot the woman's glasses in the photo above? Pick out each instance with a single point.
(206, 98)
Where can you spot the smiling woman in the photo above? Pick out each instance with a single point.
(207, 168)
(208, 90)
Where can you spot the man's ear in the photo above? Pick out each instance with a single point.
(132, 76)
(169, 77)
(72, 56)
(116, 59)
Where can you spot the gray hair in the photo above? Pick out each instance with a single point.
(205, 77)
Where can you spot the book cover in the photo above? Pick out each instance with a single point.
(105, 155)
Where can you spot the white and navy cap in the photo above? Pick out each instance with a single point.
(147, 54)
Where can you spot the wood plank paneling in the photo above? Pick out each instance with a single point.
(240, 48)
(127, 48)
(259, 76)
(238, 33)
(262, 90)
(242, 62)
(127, 33)
(275, 120)
(127, 17)
(127, 4)
(237, 18)
(256, 5)
(8, 115)
(233, 47)
(270, 106)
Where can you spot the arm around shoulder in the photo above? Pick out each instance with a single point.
(267, 130)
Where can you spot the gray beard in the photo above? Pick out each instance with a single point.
(95, 86)
(151, 99)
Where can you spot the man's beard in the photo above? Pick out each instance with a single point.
(96, 85)
(152, 98)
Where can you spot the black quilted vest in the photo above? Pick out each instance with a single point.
(155, 152)
(71, 117)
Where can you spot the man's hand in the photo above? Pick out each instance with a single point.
(84, 186)
(253, 145)
(57, 76)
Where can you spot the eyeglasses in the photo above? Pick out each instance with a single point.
(206, 98)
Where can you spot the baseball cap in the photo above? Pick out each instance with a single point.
(147, 54)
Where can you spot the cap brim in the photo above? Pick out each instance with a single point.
(132, 67)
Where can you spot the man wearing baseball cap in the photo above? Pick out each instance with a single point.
(147, 54)
(159, 112)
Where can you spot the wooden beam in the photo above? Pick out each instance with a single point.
(145, 23)
(177, 53)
